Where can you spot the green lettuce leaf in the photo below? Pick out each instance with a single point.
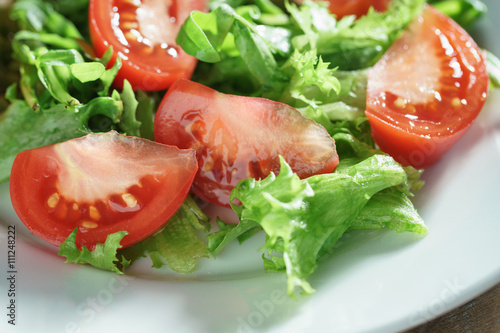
(40, 16)
(129, 123)
(87, 71)
(464, 12)
(65, 94)
(210, 36)
(304, 214)
(145, 115)
(103, 256)
(178, 244)
(240, 47)
(21, 128)
(389, 208)
(228, 232)
(310, 80)
(349, 43)
(493, 66)
(76, 11)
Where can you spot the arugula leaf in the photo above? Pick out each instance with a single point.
(50, 39)
(178, 243)
(54, 72)
(103, 256)
(109, 75)
(145, 115)
(99, 114)
(87, 71)
(207, 35)
(38, 16)
(202, 35)
(129, 123)
(76, 11)
(242, 48)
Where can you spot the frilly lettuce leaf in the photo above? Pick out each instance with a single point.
(103, 256)
(178, 243)
(389, 208)
(351, 43)
(228, 232)
(299, 216)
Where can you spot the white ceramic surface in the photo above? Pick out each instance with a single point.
(375, 281)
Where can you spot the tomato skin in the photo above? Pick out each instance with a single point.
(237, 137)
(359, 8)
(426, 91)
(148, 66)
(409, 148)
(102, 184)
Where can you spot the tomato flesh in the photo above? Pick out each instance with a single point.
(426, 91)
(237, 137)
(359, 8)
(102, 184)
(142, 33)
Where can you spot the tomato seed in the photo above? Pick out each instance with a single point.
(53, 200)
(148, 50)
(127, 16)
(400, 103)
(128, 25)
(456, 102)
(89, 224)
(129, 199)
(94, 213)
(130, 36)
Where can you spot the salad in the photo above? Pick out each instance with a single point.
(307, 124)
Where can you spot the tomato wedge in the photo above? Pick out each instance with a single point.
(359, 8)
(142, 33)
(102, 184)
(237, 137)
(426, 91)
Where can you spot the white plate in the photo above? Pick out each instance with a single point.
(376, 281)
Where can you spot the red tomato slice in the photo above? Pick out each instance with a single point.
(143, 33)
(359, 8)
(237, 137)
(102, 184)
(426, 91)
